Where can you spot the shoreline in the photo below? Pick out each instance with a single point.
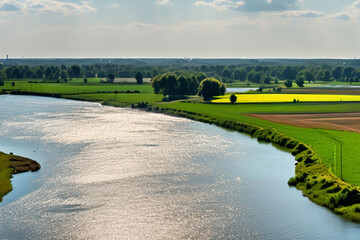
(11, 165)
(314, 178)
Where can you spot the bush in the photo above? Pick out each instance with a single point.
(288, 83)
(233, 98)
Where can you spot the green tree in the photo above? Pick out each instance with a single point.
(201, 76)
(183, 88)
(211, 87)
(240, 74)
(323, 75)
(2, 78)
(76, 70)
(336, 73)
(251, 76)
(288, 83)
(348, 72)
(289, 73)
(16, 73)
(233, 98)
(139, 78)
(48, 73)
(266, 79)
(63, 75)
(226, 73)
(111, 78)
(300, 81)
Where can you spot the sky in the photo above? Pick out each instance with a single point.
(180, 28)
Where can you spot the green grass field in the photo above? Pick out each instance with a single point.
(76, 86)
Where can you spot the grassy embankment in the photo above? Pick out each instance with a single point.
(11, 164)
(319, 158)
(5, 175)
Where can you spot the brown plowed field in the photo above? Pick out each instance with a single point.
(334, 121)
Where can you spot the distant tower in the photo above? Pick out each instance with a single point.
(7, 57)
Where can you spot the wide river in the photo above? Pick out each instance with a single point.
(114, 173)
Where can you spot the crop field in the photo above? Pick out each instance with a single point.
(331, 91)
(278, 98)
(334, 121)
(130, 80)
(74, 87)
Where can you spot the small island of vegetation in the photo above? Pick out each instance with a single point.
(11, 164)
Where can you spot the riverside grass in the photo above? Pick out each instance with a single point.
(278, 98)
(5, 175)
(321, 142)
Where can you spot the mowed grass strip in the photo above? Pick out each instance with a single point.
(278, 98)
(120, 99)
(75, 87)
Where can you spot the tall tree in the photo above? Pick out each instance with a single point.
(139, 78)
(211, 87)
(2, 78)
(76, 70)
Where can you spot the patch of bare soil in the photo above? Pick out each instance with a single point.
(333, 121)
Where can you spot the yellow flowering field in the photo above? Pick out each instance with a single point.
(269, 98)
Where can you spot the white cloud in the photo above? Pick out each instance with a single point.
(220, 4)
(250, 5)
(45, 6)
(115, 5)
(297, 14)
(164, 2)
(356, 4)
(341, 16)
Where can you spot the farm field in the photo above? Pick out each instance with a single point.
(74, 87)
(331, 91)
(130, 80)
(334, 121)
(278, 98)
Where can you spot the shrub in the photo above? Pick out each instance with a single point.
(233, 98)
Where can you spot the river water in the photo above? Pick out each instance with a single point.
(114, 173)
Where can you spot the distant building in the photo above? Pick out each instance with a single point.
(7, 57)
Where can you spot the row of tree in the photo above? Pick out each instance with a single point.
(172, 84)
(231, 73)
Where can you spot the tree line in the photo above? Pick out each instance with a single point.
(226, 73)
(200, 84)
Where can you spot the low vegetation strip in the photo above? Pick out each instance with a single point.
(11, 164)
(277, 98)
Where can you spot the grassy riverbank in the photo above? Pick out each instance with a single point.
(5, 175)
(318, 172)
(11, 164)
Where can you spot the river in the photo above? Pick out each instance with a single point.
(116, 173)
